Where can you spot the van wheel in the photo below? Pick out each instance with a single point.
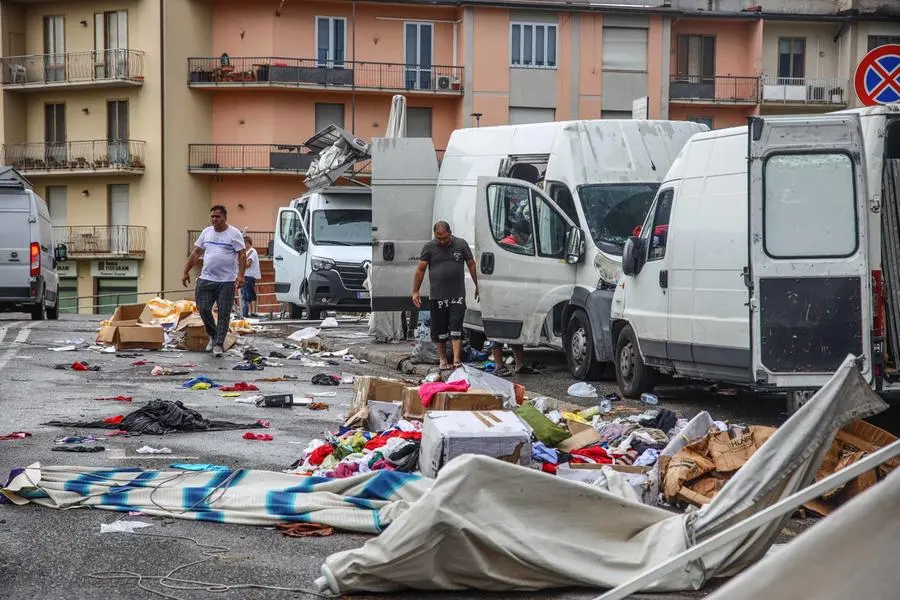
(39, 312)
(295, 311)
(633, 376)
(53, 311)
(797, 398)
(579, 346)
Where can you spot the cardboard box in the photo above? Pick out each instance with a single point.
(580, 440)
(195, 337)
(131, 315)
(382, 389)
(449, 434)
(383, 415)
(471, 400)
(412, 404)
(138, 337)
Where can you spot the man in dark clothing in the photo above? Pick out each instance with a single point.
(444, 258)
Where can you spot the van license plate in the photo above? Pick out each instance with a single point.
(362, 295)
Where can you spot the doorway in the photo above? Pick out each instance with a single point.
(118, 218)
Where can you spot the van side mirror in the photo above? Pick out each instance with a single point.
(61, 253)
(632, 256)
(575, 247)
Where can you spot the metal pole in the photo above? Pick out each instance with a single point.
(353, 97)
(771, 513)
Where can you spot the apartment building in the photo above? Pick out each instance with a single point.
(132, 117)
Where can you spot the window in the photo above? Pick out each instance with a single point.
(882, 40)
(329, 114)
(54, 48)
(290, 230)
(331, 41)
(613, 211)
(658, 235)
(560, 194)
(55, 134)
(523, 115)
(696, 57)
(532, 45)
(509, 211)
(550, 229)
(117, 131)
(346, 227)
(791, 58)
(708, 121)
(418, 122)
(111, 44)
(798, 186)
(417, 39)
(58, 205)
(624, 49)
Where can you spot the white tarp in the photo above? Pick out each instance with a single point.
(851, 554)
(493, 526)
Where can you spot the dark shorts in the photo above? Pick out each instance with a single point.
(249, 289)
(447, 319)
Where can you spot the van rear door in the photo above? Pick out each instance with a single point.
(404, 177)
(15, 244)
(811, 299)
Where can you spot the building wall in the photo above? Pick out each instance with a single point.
(822, 52)
(733, 39)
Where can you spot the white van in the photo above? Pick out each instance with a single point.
(597, 177)
(28, 255)
(756, 271)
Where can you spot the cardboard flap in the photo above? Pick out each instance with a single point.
(129, 315)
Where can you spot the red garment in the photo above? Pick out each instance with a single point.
(117, 398)
(260, 437)
(549, 468)
(114, 420)
(263, 423)
(79, 366)
(593, 454)
(318, 456)
(379, 441)
(15, 435)
(428, 390)
(240, 386)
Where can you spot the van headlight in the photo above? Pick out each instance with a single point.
(609, 269)
(322, 264)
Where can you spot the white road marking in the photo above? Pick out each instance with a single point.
(23, 336)
(20, 338)
(3, 331)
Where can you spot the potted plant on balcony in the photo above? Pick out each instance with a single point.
(136, 163)
(837, 95)
(102, 162)
(80, 163)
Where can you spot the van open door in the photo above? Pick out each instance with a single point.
(810, 300)
(526, 249)
(404, 177)
(290, 258)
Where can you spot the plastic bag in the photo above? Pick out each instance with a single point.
(329, 323)
(582, 390)
(479, 380)
(301, 335)
(425, 351)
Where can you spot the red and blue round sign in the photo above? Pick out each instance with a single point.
(877, 78)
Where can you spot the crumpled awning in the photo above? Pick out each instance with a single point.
(493, 526)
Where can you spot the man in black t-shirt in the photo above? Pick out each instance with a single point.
(444, 258)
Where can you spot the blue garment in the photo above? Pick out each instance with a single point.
(542, 453)
(199, 467)
(192, 382)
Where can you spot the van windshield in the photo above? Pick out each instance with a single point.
(342, 227)
(613, 210)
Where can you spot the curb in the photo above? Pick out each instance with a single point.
(400, 361)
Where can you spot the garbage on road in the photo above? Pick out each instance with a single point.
(15, 435)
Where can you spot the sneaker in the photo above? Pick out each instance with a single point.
(210, 345)
(218, 351)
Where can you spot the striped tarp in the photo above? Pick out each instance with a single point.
(365, 503)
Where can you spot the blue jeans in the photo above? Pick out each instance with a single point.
(248, 294)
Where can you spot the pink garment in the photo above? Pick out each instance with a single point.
(383, 465)
(428, 390)
(346, 470)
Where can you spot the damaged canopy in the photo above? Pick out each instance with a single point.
(510, 528)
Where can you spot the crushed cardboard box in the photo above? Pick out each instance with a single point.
(470, 400)
(190, 334)
(382, 389)
(130, 329)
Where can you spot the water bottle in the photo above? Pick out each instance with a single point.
(605, 405)
(649, 399)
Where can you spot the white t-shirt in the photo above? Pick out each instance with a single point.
(253, 270)
(220, 253)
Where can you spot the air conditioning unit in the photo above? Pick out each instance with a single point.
(443, 82)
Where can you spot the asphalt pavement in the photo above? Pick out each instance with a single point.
(52, 554)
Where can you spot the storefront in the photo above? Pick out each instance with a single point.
(115, 282)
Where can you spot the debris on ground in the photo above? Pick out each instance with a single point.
(152, 450)
(78, 449)
(117, 398)
(15, 435)
(300, 530)
(259, 437)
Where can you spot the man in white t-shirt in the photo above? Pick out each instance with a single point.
(252, 275)
(224, 262)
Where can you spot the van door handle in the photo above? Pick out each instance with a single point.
(664, 279)
(279, 258)
(487, 263)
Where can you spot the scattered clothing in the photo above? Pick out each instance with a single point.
(318, 406)
(326, 379)
(83, 366)
(158, 370)
(248, 367)
(241, 386)
(199, 467)
(664, 421)
(78, 449)
(151, 450)
(648, 458)
(15, 435)
(117, 398)
(201, 386)
(260, 437)
(86, 439)
(193, 382)
(541, 453)
(427, 391)
(299, 530)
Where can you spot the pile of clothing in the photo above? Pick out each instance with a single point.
(352, 451)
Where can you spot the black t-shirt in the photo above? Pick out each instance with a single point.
(446, 268)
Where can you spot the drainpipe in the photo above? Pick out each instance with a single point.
(353, 98)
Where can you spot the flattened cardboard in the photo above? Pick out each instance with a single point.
(471, 400)
(131, 315)
(580, 440)
(577, 427)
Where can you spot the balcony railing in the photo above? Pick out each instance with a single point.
(106, 67)
(312, 73)
(102, 240)
(726, 89)
(260, 158)
(794, 90)
(78, 157)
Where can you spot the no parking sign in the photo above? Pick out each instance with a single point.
(877, 79)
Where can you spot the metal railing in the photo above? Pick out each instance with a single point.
(93, 240)
(73, 68)
(125, 155)
(802, 90)
(725, 89)
(260, 158)
(310, 72)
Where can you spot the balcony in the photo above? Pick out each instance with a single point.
(79, 158)
(103, 241)
(259, 159)
(721, 89)
(310, 74)
(802, 91)
(74, 70)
